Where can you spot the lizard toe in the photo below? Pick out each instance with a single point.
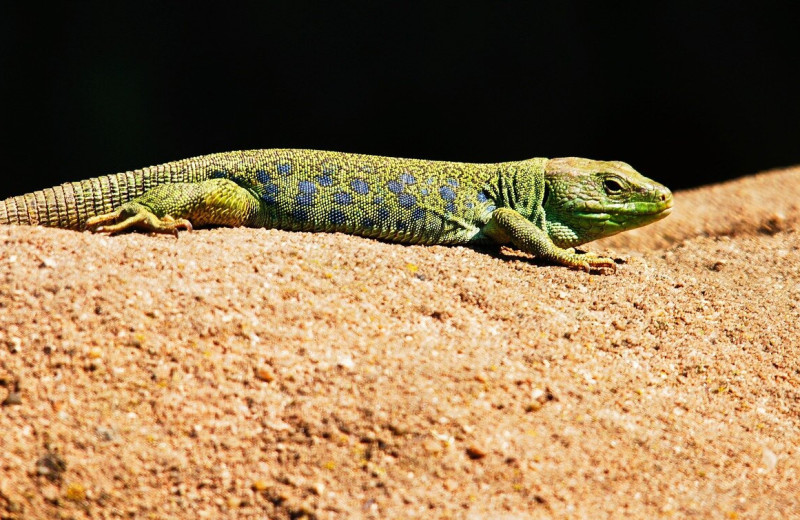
(97, 222)
(135, 216)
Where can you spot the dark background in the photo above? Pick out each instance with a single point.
(688, 93)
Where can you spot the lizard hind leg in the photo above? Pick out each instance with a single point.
(170, 207)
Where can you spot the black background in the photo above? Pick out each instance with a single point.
(688, 93)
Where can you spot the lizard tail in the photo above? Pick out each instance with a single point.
(69, 205)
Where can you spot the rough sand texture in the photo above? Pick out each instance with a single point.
(240, 373)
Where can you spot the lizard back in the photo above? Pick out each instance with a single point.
(401, 200)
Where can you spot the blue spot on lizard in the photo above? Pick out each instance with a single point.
(263, 177)
(325, 180)
(406, 201)
(284, 168)
(447, 193)
(305, 199)
(343, 198)
(270, 191)
(407, 178)
(337, 216)
(307, 187)
(359, 186)
(395, 186)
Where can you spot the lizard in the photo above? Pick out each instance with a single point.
(544, 207)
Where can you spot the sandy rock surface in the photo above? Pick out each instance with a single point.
(250, 373)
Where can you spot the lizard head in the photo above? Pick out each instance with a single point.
(585, 200)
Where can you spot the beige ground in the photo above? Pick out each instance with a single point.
(238, 373)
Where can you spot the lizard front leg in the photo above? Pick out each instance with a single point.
(507, 225)
(182, 205)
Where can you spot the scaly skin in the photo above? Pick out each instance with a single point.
(541, 206)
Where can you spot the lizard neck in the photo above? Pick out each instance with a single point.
(520, 186)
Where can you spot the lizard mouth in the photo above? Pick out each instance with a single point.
(650, 211)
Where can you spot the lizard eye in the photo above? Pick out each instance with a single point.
(612, 186)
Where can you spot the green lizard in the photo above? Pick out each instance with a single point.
(544, 207)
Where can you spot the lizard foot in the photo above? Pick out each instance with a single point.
(589, 261)
(136, 217)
